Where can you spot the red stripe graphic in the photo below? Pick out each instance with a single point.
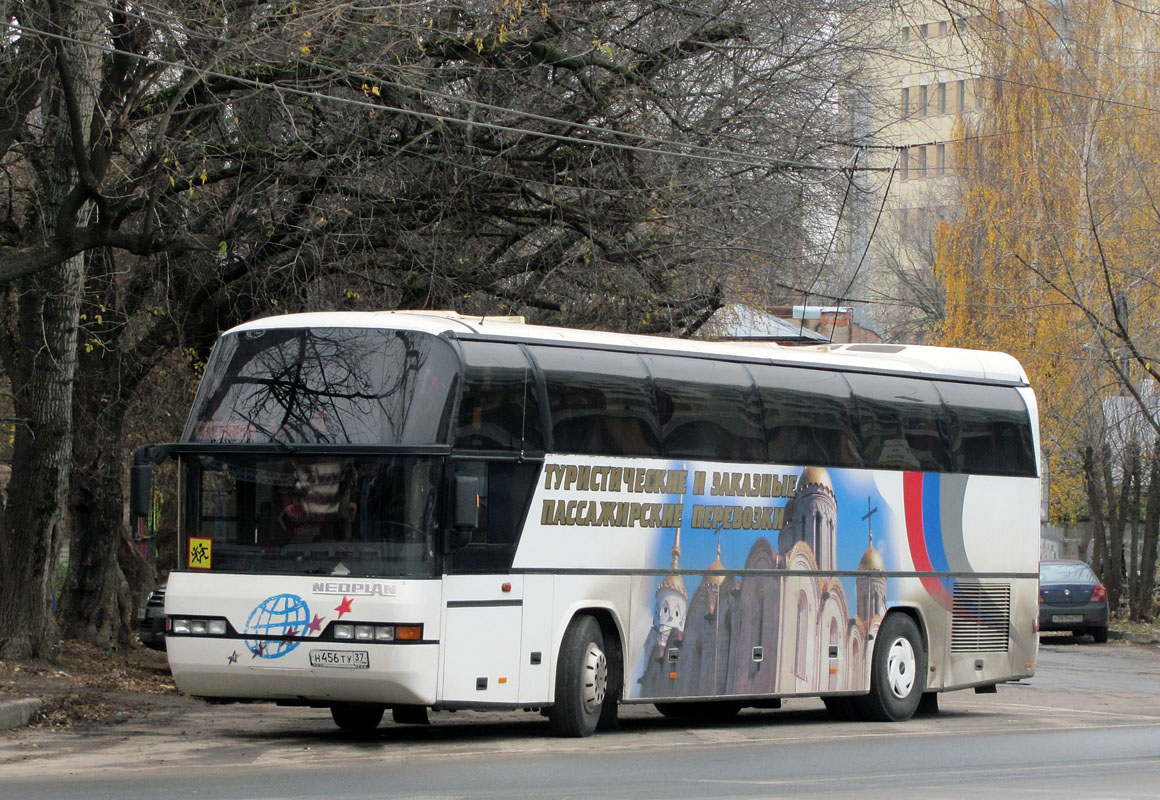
(916, 535)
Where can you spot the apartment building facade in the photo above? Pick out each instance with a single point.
(922, 94)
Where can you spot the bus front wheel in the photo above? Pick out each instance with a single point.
(581, 679)
(356, 718)
(897, 673)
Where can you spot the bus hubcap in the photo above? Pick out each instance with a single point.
(900, 666)
(595, 677)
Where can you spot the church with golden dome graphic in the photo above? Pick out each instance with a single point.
(768, 594)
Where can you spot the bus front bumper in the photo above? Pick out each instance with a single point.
(227, 668)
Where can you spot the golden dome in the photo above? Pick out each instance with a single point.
(872, 560)
(815, 476)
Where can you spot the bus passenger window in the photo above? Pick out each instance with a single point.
(499, 407)
(708, 409)
(600, 402)
(990, 429)
(902, 423)
(809, 416)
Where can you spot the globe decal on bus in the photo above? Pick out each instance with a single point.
(280, 615)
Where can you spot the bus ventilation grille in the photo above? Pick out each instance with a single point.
(981, 618)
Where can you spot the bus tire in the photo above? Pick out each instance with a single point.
(357, 718)
(897, 673)
(581, 679)
(700, 710)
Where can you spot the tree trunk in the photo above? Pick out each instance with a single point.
(1095, 495)
(100, 601)
(34, 515)
(41, 351)
(1142, 608)
(1134, 527)
(1118, 521)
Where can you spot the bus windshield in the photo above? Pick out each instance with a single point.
(326, 386)
(361, 516)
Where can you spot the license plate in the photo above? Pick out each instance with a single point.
(343, 659)
(1067, 617)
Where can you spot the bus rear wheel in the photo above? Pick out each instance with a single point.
(581, 679)
(897, 672)
(357, 718)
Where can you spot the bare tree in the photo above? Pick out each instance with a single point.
(613, 163)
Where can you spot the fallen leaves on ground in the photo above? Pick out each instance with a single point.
(81, 684)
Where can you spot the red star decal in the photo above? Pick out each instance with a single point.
(316, 625)
(344, 606)
(290, 632)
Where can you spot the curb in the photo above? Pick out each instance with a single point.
(17, 713)
(1135, 638)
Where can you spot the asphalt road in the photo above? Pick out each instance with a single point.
(1087, 725)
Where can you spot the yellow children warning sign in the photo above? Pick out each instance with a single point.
(200, 553)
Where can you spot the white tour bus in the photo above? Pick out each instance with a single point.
(415, 511)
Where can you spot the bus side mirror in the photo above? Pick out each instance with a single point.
(140, 489)
(466, 520)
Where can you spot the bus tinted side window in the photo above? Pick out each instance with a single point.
(991, 429)
(902, 423)
(505, 490)
(708, 409)
(600, 402)
(498, 409)
(808, 416)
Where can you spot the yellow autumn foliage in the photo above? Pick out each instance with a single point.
(1054, 255)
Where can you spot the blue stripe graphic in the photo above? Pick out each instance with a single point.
(932, 522)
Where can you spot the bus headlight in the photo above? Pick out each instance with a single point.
(197, 626)
(366, 632)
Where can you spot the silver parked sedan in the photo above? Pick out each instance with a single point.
(1071, 598)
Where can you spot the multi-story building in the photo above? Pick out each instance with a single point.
(924, 85)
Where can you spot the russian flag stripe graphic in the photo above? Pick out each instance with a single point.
(915, 497)
(932, 522)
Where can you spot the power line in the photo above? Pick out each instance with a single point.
(873, 229)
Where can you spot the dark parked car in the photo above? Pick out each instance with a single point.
(1071, 598)
(151, 619)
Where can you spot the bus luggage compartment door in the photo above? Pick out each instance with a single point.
(481, 639)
